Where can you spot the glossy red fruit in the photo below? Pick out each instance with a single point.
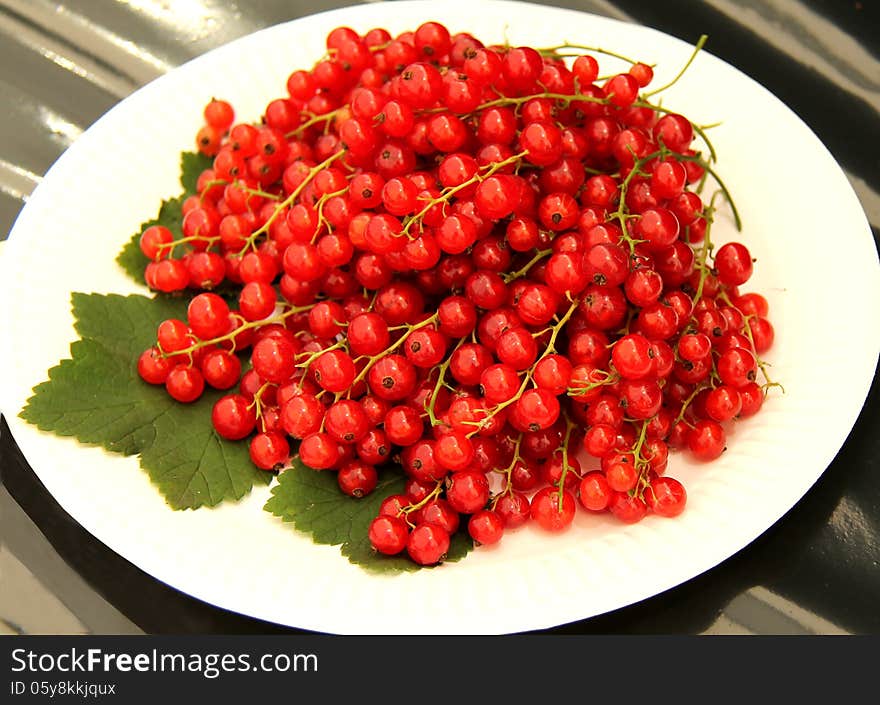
(595, 492)
(427, 544)
(468, 491)
(233, 417)
(486, 527)
(706, 440)
(549, 512)
(666, 496)
(388, 534)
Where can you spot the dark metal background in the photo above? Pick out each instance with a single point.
(63, 64)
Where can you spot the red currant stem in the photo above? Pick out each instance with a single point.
(539, 255)
(762, 365)
(569, 427)
(433, 494)
(561, 97)
(315, 355)
(637, 450)
(630, 317)
(711, 125)
(599, 172)
(554, 51)
(210, 184)
(318, 394)
(183, 241)
(622, 214)
(550, 349)
(278, 318)
(687, 402)
(697, 47)
(703, 256)
(391, 348)
(703, 163)
(260, 192)
(609, 378)
(702, 183)
(240, 184)
(543, 331)
(319, 207)
(286, 203)
(449, 192)
(257, 400)
(508, 484)
(699, 130)
(551, 344)
(312, 120)
(432, 400)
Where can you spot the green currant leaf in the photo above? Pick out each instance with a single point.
(312, 501)
(97, 397)
(130, 258)
(192, 164)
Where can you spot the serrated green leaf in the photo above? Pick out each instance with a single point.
(192, 164)
(97, 397)
(312, 501)
(124, 324)
(130, 258)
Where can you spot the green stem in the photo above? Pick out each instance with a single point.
(184, 240)
(432, 401)
(508, 483)
(550, 349)
(666, 111)
(287, 202)
(687, 402)
(391, 348)
(433, 494)
(703, 257)
(539, 255)
(313, 120)
(697, 47)
(562, 97)
(448, 193)
(576, 392)
(703, 163)
(279, 318)
(569, 427)
(554, 51)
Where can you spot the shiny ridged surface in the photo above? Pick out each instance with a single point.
(815, 571)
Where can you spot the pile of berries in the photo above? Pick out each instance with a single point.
(483, 263)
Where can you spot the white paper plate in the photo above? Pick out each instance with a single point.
(802, 222)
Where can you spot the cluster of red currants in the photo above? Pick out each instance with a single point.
(480, 262)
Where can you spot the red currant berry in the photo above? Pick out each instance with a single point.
(733, 263)
(357, 478)
(552, 509)
(233, 417)
(666, 496)
(319, 451)
(269, 451)
(334, 371)
(427, 544)
(468, 491)
(208, 316)
(706, 440)
(185, 383)
(595, 492)
(388, 534)
(486, 527)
